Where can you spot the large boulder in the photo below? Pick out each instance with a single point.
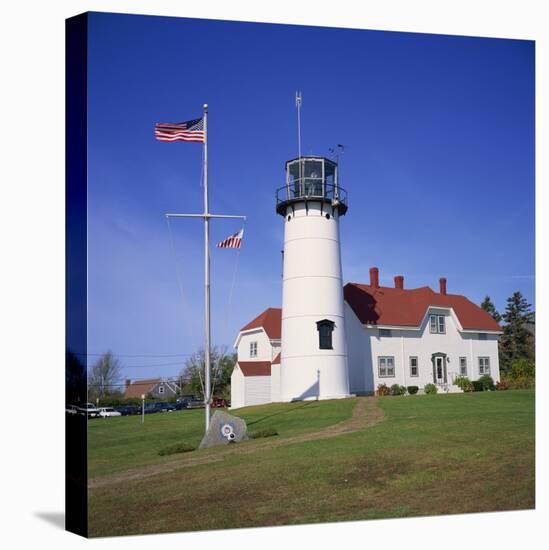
(224, 429)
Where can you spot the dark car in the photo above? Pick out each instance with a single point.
(151, 408)
(164, 407)
(127, 410)
(195, 403)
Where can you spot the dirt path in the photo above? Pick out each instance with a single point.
(366, 413)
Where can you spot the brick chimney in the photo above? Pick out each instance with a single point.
(399, 281)
(442, 282)
(128, 382)
(374, 277)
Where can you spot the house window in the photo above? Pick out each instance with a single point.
(386, 367)
(414, 371)
(325, 329)
(482, 336)
(385, 332)
(484, 365)
(253, 349)
(160, 389)
(438, 324)
(463, 366)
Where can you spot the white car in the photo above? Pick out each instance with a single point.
(89, 410)
(108, 411)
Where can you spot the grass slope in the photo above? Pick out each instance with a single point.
(432, 455)
(121, 443)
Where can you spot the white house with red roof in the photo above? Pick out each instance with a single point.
(394, 335)
(330, 341)
(415, 337)
(256, 376)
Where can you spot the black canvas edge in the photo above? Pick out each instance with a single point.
(76, 468)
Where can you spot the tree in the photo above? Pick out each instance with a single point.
(488, 306)
(222, 365)
(516, 342)
(104, 377)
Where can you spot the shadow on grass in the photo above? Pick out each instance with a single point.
(299, 406)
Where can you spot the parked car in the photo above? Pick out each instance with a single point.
(89, 409)
(151, 408)
(126, 410)
(218, 402)
(164, 407)
(191, 402)
(105, 412)
(71, 409)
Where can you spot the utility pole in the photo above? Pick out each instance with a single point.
(206, 216)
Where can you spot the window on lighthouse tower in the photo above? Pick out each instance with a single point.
(325, 329)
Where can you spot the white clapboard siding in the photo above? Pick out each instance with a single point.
(275, 383)
(257, 390)
(238, 381)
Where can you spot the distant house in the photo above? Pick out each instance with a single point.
(256, 376)
(155, 387)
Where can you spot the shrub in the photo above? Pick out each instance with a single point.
(176, 448)
(520, 383)
(383, 389)
(430, 389)
(397, 389)
(523, 368)
(487, 383)
(463, 383)
(477, 385)
(502, 385)
(412, 390)
(265, 432)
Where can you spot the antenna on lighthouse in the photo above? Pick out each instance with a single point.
(298, 100)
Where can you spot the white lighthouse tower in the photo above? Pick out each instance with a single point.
(313, 354)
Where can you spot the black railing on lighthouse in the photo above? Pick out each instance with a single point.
(311, 189)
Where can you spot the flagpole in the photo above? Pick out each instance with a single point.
(207, 327)
(206, 215)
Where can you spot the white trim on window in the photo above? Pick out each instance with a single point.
(463, 366)
(483, 365)
(386, 366)
(253, 348)
(414, 367)
(437, 324)
(441, 324)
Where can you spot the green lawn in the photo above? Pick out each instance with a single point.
(431, 455)
(121, 443)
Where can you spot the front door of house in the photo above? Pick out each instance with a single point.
(439, 369)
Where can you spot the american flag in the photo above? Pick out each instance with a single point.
(192, 130)
(234, 241)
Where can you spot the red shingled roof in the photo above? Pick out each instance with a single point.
(270, 320)
(255, 368)
(276, 360)
(137, 389)
(407, 307)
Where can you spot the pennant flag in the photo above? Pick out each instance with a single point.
(192, 130)
(234, 241)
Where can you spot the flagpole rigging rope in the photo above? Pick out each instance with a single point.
(227, 311)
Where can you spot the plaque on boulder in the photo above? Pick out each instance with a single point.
(224, 429)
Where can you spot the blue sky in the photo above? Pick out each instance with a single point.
(438, 164)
